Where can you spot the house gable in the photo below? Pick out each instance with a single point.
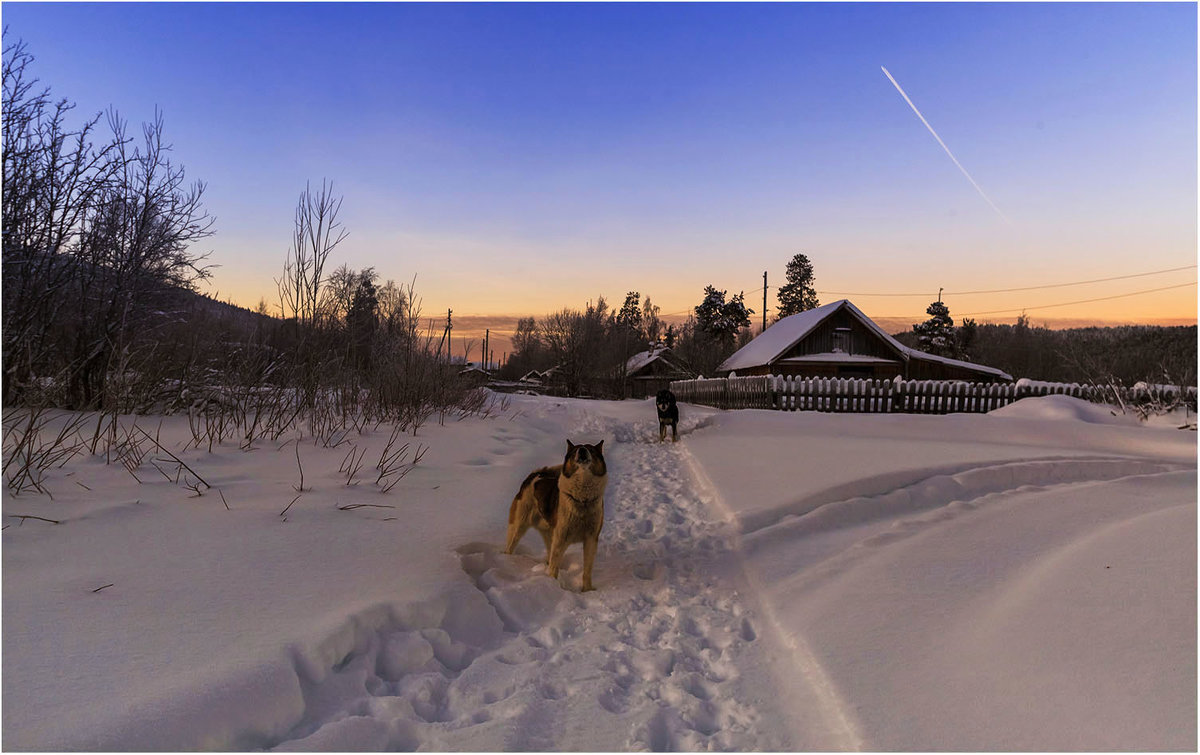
(844, 331)
(837, 339)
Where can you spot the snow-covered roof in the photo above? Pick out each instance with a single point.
(641, 359)
(779, 339)
(915, 354)
(839, 357)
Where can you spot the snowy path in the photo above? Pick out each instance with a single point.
(666, 654)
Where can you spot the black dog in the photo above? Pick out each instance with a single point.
(668, 414)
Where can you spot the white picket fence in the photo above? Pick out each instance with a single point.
(892, 396)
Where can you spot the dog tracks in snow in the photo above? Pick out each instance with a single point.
(665, 655)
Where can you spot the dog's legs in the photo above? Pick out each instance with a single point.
(589, 558)
(674, 432)
(662, 432)
(516, 530)
(547, 540)
(557, 548)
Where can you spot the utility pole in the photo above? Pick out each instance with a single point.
(487, 338)
(446, 336)
(764, 299)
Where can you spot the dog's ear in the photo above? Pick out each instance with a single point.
(570, 445)
(600, 447)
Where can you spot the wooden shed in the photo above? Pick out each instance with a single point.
(647, 372)
(838, 340)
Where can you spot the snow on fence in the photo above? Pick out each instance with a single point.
(898, 396)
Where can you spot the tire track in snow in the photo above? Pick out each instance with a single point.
(665, 655)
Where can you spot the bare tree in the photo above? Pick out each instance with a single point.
(51, 176)
(315, 235)
(135, 247)
(391, 305)
(338, 293)
(578, 345)
(95, 240)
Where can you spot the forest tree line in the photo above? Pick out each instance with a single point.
(101, 309)
(1124, 354)
(588, 348)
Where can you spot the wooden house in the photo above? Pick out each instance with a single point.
(838, 340)
(474, 374)
(648, 372)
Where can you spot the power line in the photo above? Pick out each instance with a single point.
(690, 310)
(1024, 288)
(1082, 301)
(997, 290)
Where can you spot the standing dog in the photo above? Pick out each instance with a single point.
(668, 414)
(565, 504)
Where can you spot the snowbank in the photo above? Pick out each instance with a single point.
(775, 581)
(1021, 580)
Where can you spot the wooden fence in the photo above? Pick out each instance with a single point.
(893, 396)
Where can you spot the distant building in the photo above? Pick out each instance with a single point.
(648, 372)
(838, 340)
(474, 374)
(533, 377)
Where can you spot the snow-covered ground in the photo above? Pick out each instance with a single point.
(774, 581)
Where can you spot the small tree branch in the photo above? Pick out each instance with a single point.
(23, 517)
(285, 510)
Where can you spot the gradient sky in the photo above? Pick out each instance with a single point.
(522, 158)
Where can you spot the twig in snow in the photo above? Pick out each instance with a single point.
(174, 458)
(101, 587)
(352, 506)
(23, 517)
(299, 489)
(281, 513)
(351, 465)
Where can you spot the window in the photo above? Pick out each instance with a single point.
(841, 341)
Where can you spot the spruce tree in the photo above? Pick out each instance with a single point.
(937, 334)
(630, 314)
(722, 319)
(798, 294)
(363, 317)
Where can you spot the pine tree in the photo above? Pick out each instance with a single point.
(363, 317)
(630, 314)
(719, 318)
(798, 294)
(937, 334)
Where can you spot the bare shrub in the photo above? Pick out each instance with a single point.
(33, 445)
(394, 465)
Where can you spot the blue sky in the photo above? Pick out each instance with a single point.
(521, 158)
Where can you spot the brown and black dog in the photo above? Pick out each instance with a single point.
(565, 504)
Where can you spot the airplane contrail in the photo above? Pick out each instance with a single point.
(939, 141)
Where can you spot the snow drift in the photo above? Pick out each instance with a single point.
(778, 581)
